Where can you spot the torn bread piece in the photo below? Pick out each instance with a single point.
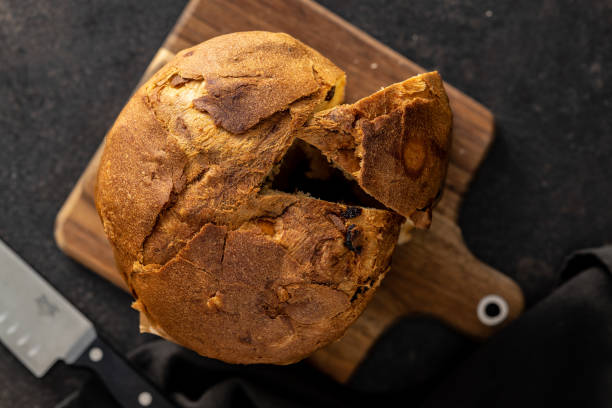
(395, 143)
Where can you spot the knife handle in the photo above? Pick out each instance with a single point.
(130, 389)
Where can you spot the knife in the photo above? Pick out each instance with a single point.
(40, 327)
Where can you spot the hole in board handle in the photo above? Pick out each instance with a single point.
(492, 310)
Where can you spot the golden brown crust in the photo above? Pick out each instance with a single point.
(395, 143)
(136, 179)
(272, 291)
(216, 261)
(166, 166)
(251, 76)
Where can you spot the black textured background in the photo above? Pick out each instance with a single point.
(543, 68)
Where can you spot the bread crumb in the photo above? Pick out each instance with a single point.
(215, 302)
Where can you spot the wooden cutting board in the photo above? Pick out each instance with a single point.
(433, 274)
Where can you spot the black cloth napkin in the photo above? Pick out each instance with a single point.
(558, 353)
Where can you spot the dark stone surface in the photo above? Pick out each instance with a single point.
(543, 68)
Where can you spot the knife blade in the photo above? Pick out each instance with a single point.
(39, 326)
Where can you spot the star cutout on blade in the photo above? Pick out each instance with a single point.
(45, 308)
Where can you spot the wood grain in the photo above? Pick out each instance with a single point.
(434, 273)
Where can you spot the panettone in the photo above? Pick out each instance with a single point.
(202, 198)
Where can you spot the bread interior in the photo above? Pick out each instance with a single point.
(305, 170)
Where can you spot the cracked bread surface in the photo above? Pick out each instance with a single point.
(216, 260)
(407, 126)
(286, 281)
